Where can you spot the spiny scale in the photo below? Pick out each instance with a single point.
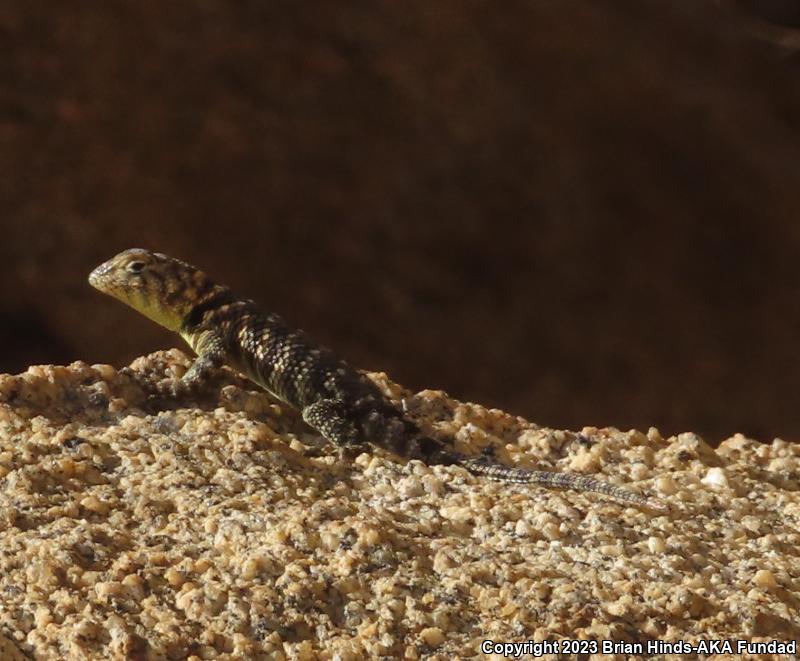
(335, 399)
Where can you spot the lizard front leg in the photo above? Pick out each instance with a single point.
(200, 371)
(210, 356)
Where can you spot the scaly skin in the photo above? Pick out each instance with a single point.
(337, 400)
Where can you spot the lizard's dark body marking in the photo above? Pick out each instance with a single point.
(287, 363)
(335, 399)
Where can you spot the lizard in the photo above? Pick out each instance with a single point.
(334, 398)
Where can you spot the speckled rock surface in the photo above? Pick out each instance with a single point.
(223, 528)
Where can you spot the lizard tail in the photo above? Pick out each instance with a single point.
(434, 451)
(572, 481)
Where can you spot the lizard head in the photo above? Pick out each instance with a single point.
(160, 287)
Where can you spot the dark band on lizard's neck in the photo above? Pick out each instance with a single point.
(218, 297)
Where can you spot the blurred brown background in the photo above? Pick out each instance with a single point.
(581, 212)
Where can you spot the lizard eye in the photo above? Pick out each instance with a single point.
(135, 267)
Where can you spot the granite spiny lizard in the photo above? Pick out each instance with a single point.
(335, 399)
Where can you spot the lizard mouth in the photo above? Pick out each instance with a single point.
(97, 276)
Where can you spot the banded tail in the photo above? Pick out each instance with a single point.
(572, 481)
